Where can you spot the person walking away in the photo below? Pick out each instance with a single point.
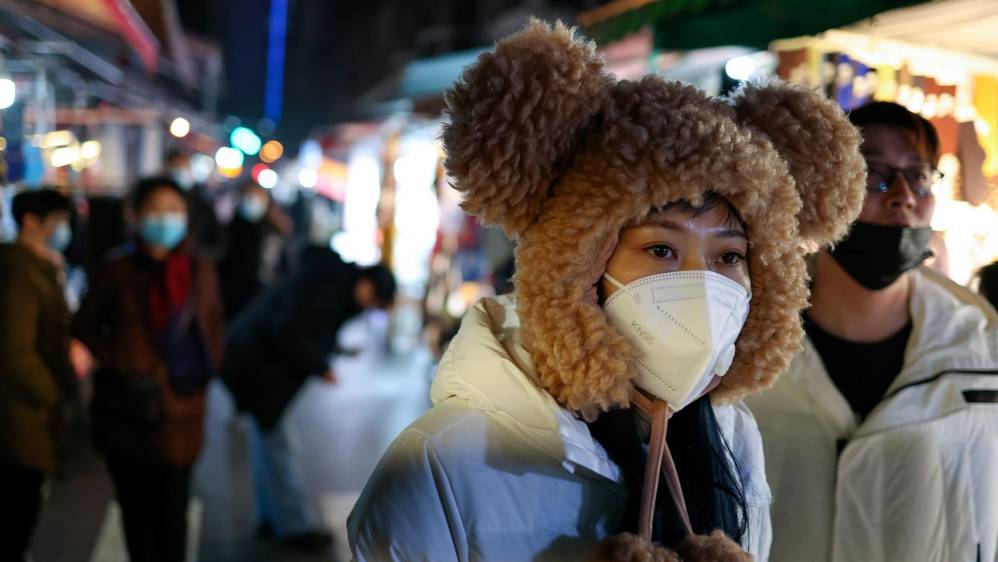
(153, 320)
(880, 439)
(36, 375)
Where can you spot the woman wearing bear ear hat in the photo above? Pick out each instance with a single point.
(595, 413)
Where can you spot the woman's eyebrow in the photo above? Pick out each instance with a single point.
(666, 224)
(721, 232)
(731, 233)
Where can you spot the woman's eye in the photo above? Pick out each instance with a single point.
(732, 258)
(661, 251)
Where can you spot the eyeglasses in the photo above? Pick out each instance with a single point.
(920, 178)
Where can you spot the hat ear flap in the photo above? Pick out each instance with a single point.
(820, 147)
(516, 115)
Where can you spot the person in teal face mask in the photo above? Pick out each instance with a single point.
(36, 376)
(153, 319)
(42, 218)
(162, 222)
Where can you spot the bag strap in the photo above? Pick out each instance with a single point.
(185, 320)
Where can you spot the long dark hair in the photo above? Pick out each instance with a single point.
(708, 473)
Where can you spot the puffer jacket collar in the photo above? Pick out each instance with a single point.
(487, 365)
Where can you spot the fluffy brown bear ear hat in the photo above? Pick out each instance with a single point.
(544, 142)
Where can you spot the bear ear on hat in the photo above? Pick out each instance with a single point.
(516, 116)
(820, 147)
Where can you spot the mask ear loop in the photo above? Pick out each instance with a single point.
(616, 283)
(659, 458)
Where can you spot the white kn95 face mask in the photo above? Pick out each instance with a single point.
(683, 325)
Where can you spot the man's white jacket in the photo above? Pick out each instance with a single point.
(918, 478)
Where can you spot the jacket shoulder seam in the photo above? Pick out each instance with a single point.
(431, 436)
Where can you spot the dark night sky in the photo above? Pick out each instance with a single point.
(240, 26)
(337, 50)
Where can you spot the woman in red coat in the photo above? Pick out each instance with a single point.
(153, 318)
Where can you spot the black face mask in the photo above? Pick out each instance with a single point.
(876, 256)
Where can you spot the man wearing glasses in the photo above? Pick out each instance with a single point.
(882, 437)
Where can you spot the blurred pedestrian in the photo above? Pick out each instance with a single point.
(206, 232)
(153, 319)
(256, 239)
(283, 337)
(36, 375)
(988, 287)
(659, 274)
(880, 439)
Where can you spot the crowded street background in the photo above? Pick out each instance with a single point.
(239, 237)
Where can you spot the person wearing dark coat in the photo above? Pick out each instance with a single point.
(286, 335)
(254, 257)
(153, 320)
(36, 375)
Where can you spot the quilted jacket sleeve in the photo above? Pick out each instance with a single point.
(407, 511)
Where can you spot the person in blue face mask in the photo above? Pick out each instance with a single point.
(206, 231)
(254, 257)
(153, 319)
(36, 376)
(161, 220)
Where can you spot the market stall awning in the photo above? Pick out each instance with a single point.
(693, 24)
(969, 26)
(431, 76)
(117, 16)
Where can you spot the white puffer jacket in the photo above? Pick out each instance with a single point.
(497, 471)
(918, 478)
